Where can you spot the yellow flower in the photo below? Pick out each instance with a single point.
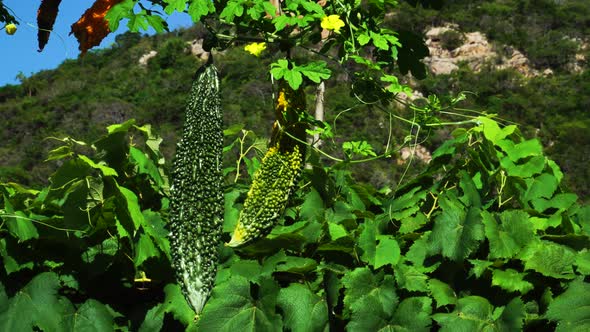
(255, 48)
(332, 22)
(10, 28)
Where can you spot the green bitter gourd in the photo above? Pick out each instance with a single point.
(196, 205)
(276, 178)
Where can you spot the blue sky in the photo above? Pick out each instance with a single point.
(18, 53)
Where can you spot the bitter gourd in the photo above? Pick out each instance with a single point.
(276, 178)
(196, 204)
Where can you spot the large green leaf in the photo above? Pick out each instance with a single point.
(370, 299)
(231, 308)
(507, 232)
(472, 313)
(571, 310)
(378, 250)
(302, 309)
(312, 207)
(456, 232)
(93, 316)
(550, 259)
(18, 224)
(175, 304)
(521, 150)
(411, 278)
(442, 293)
(411, 315)
(146, 166)
(37, 304)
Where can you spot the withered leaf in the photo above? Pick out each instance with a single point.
(46, 15)
(92, 27)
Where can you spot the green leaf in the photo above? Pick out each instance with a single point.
(316, 71)
(550, 259)
(144, 249)
(419, 250)
(542, 186)
(231, 308)
(105, 170)
(155, 227)
(413, 223)
(231, 214)
(174, 5)
(130, 208)
(363, 39)
(11, 264)
(303, 310)
(533, 166)
(411, 278)
(378, 250)
(471, 195)
(312, 207)
(200, 8)
(570, 309)
(138, 22)
(146, 166)
(513, 232)
(336, 231)
(456, 232)
(512, 317)
(37, 304)
(521, 150)
(472, 313)
(511, 280)
(583, 262)
(379, 41)
(108, 247)
(93, 316)
(492, 131)
(388, 251)
(479, 267)
(118, 12)
(175, 303)
(442, 293)
(157, 22)
(19, 225)
(561, 201)
(294, 78)
(232, 9)
(370, 299)
(412, 315)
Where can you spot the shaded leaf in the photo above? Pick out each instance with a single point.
(303, 310)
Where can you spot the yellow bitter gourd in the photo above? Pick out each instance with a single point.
(276, 178)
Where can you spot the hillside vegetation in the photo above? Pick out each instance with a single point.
(109, 86)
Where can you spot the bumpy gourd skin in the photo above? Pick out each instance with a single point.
(196, 205)
(276, 178)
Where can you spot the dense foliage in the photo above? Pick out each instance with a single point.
(485, 236)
